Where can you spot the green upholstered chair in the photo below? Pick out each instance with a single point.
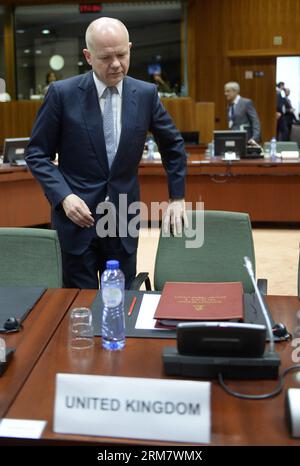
(30, 257)
(283, 146)
(227, 238)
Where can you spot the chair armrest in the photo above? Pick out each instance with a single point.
(139, 280)
(262, 284)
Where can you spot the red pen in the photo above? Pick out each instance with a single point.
(132, 305)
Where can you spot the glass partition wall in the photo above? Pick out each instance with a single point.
(49, 41)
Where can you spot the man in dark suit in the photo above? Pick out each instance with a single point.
(289, 115)
(241, 113)
(282, 132)
(98, 123)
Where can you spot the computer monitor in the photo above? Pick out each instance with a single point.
(190, 137)
(230, 141)
(14, 150)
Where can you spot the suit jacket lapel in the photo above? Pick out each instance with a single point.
(240, 106)
(128, 117)
(92, 117)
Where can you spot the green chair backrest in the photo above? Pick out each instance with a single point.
(30, 257)
(227, 238)
(283, 145)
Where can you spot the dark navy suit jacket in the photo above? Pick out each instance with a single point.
(70, 123)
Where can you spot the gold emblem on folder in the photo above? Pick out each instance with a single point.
(199, 307)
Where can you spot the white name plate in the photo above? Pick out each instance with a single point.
(129, 407)
(289, 154)
(230, 156)
(21, 428)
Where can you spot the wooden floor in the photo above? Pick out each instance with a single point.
(276, 250)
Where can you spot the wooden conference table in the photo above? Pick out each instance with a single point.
(268, 191)
(23, 202)
(38, 329)
(234, 421)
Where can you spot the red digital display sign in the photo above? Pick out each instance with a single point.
(90, 7)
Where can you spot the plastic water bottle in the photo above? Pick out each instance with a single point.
(210, 151)
(113, 320)
(150, 144)
(273, 148)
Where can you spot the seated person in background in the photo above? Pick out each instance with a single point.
(50, 78)
(161, 82)
(241, 113)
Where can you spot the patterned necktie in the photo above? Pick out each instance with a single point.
(230, 115)
(109, 125)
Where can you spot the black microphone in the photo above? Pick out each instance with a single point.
(249, 268)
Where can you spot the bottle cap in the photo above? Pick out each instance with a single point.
(112, 264)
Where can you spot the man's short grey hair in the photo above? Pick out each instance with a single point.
(233, 85)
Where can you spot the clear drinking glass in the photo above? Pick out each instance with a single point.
(81, 329)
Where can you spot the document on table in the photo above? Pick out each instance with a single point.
(145, 318)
